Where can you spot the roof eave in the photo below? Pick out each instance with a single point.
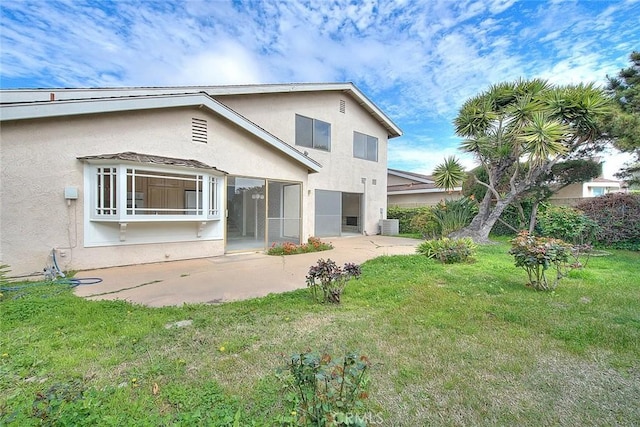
(423, 190)
(39, 110)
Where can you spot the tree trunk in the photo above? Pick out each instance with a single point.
(534, 214)
(484, 221)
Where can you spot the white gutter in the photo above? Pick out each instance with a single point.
(424, 190)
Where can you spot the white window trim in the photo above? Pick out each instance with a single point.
(366, 146)
(210, 184)
(313, 135)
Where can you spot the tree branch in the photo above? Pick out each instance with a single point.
(508, 225)
(489, 187)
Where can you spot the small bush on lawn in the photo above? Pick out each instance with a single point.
(330, 279)
(426, 224)
(327, 391)
(617, 215)
(452, 215)
(536, 255)
(448, 251)
(314, 244)
(568, 224)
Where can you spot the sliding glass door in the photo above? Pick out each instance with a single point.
(262, 212)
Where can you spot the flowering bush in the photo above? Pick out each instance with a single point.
(314, 244)
(536, 255)
(331, 279)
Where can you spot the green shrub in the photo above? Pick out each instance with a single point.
(618, 218)
(405, 216)
(327, 391)
(448, 251)
(452, 215)
(426, 224)
(514, 217)
(331, 279)
(567, 223)
(538, 254)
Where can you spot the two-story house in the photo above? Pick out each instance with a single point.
(118, 176)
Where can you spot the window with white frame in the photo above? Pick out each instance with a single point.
(106, 199)
(128, 193)
(313, 133)
(365, 146)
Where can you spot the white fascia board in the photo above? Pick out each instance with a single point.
(612, 184)
(400, 174)
(110, 105)
(61, 94)
(422, 191)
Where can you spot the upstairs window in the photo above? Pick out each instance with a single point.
(313, 133)
(365, 146)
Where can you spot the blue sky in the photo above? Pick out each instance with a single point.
(419, 61)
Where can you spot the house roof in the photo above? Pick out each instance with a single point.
(420, 184)
(417, 188)
(129, 156)
(41, 95)
(82, 106)
(605, 180)
(426, 179)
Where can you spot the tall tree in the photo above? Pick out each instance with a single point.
(518, 131)
(562, 174)
(623, 124)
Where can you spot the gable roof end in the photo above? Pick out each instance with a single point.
(48, 109)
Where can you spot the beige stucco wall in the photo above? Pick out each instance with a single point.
(340, 170)
(38, 160)
(572, 191)
(420, 199)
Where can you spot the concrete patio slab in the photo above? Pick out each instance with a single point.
(230, 277)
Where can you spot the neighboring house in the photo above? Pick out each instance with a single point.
(574, 193)
(119, 176)
(409, 189)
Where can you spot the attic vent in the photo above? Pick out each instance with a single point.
(374, 182)
(199, 130)
(343, 105)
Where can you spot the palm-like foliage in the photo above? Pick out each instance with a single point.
(527, 121)
(449, 174)
(541, 138)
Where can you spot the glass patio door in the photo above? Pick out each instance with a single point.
(246, 220)
(262, 213)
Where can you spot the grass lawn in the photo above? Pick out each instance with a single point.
(449, 345)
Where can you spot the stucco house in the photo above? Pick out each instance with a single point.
(574, 193)
(117, 176)
(410, 189)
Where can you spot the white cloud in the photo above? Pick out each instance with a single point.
(613, 161)
(418, 60)
(422, 156)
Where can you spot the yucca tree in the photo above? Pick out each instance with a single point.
(526, 122)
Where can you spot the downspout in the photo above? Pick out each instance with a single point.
(364, 206)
